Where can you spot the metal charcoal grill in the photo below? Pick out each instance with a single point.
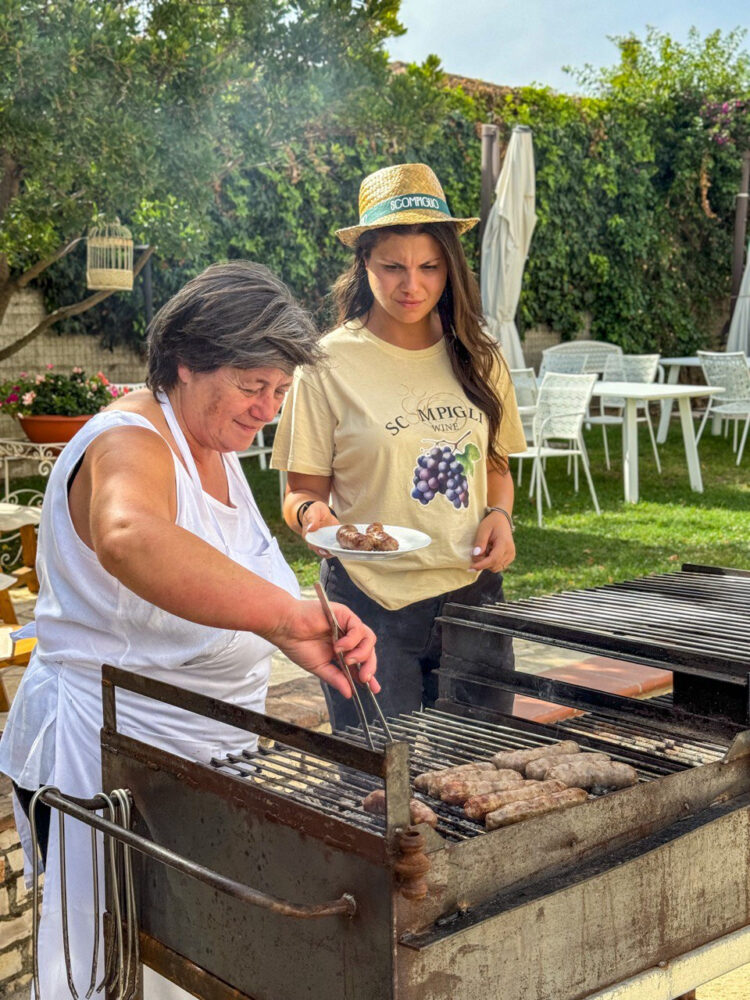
(560, 907)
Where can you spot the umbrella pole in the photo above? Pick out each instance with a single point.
(490, 170)
(740, 222)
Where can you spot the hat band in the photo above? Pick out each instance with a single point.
(404, 203)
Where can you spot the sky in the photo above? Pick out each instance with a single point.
(518, 42)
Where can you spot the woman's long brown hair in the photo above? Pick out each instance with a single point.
(473, 353)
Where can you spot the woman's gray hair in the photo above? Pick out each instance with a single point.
(237, 314)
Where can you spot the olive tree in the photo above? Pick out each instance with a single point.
(139, 111)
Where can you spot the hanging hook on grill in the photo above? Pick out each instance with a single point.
(113, 957)
(64, 905)
(119, 974)
(130, 968)
(35, 888)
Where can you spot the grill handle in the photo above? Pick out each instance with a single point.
(83, 810)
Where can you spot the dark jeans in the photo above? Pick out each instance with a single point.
(42, 814)
(409, 644)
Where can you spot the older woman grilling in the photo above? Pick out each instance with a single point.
(153, 556)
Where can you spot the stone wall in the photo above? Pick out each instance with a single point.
(15, 903)
(62, 350)
(536, 340)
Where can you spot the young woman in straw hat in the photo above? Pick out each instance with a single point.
(409, 421)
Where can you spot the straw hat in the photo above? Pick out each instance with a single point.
(402, 195)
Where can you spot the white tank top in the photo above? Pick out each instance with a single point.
(85, 617)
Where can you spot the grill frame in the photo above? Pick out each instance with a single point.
(512, 882)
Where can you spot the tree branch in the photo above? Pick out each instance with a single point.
(42, 265)
(65, 312)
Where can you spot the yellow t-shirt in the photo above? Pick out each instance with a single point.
(370, 416)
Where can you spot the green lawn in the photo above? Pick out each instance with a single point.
(575, 548)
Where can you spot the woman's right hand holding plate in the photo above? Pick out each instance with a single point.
(318, 515)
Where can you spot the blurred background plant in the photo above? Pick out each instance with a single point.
(53, 393)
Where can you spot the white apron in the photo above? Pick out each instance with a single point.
(233, 666)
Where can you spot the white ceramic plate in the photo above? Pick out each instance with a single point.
(409, 540)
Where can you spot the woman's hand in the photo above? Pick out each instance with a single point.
(317, 515)
(494, 548)
(305, 637)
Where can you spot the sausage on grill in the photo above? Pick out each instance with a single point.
(479, 805)
(518, 759)
(539, 769)
(349, 537)
(429, 781)
(419, 811)
(515, 812)
(587, 773)
(460, 789)
(383, 541)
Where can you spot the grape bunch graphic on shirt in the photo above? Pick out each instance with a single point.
(443, 470)
(445, 420)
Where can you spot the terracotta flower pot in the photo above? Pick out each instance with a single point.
(45, 429)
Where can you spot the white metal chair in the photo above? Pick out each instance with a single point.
(262, 451)
(561, 407)
(259, 449)
(527, 390)
(128, 386)
(576, 356)
(626, 368)
(730, 371)
(562, 362)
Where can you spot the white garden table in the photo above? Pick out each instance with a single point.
(634, 393)
(673, 367)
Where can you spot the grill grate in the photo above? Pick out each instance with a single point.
(438, 739)
(692, 617)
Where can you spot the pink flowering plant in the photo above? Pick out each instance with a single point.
(53, 393)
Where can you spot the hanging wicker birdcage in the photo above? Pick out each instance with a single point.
(109, 258)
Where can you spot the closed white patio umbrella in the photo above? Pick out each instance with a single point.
(739, 328)
(505, 243)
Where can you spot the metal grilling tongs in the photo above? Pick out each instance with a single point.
(335, 632)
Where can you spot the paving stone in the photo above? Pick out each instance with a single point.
(14, 859)
(10, 965)
(21, 890)
(8, 839)
(298, 701)
(17, 929)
